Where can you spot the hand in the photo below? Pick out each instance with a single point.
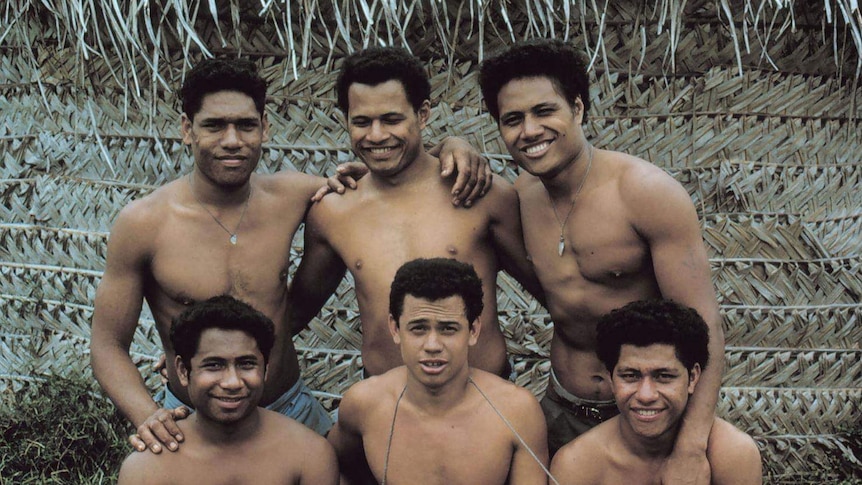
(162, 368)
(160, 430)
(346, 174)
(691, 468)
(474, 174)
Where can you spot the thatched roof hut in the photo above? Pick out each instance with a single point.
(753, 105)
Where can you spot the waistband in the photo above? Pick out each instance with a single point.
(575, 400)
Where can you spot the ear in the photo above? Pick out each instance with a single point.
(424, 113)
(475, 330)
(182, 370)
(693, 378)
(578, 108)
(265, 121)
(186, 129)
(393, 330)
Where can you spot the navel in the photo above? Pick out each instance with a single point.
(451, 249)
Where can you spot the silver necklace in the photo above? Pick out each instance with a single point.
(562, 246)
(233, 233)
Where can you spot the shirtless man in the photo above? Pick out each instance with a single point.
(602, 228)
(655, 352)
(221, 229)
(436, 420)
(222, 348)
(400, 211)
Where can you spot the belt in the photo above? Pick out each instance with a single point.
(595, 410)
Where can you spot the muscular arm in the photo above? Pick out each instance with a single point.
(346, 438)
(530, 423)
(508, 238)
(316, 278)
(115, 317)
(665, 217)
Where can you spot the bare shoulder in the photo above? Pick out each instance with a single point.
(505, 394)
(733, 455)
(290, 184)
(371, 394)
(640, 181)
(585, 457)
(145, 468)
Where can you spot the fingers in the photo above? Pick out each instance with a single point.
(318, 196)
(447, 165)
(160, 431)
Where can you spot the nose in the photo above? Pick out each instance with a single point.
(231, 137)
(376, 133)
(432, 343)
(532, 128)
(647, 390)
(231, 379)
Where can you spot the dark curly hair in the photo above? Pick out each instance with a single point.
(376, 65)
(564, 65)
(223, 312)
(648, 322)
(435, 279)
(222, 74)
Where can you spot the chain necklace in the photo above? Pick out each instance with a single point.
(562, 245)
(233, 233)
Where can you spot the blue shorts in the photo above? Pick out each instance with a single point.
(297, 403)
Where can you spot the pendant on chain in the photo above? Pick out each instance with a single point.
(233, 239)
(562, 245)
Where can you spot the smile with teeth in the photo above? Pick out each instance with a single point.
(647, 412)
(537, 148)
(380, 150)
(230, 399)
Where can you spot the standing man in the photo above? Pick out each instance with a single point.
(435, 420)
(222, 348)
(602, 228)
(655, 352)
(221, 229)
(401, 211)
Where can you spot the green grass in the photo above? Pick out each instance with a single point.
(59, 431)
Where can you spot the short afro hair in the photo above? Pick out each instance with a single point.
(564, 65)
(225, 313)
(376, 65)
(435, 279)
(222, 74)
(648, 322)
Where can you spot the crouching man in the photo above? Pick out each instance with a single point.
(436, 420)
(222, 349)
(655, 351)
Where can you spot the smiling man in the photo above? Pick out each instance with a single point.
(401, 211)
(602, 229)
(222, 348)
(436, 420)
(655, 352)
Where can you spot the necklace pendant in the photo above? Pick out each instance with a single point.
(233, 239)
(562, 246)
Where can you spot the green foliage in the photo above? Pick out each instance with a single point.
(60, 431)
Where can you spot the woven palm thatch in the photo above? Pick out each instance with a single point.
(753, 105)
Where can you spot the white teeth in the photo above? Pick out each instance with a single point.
(537, 148)
(646, 412)
(434, 364)
(379, 151)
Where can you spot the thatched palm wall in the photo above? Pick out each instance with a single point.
(754, 106)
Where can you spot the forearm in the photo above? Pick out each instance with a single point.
(700, 412)
(122, 382)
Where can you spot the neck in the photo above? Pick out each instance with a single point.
(221, 434)
(207, 192)
(565, 183)
(419, 170)
(658, 448)
(438, 400)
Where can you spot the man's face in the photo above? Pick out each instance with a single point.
(541, 130)
(226, 137)
(225, 382)
(434, 337)
(652, 387)
(385, 131)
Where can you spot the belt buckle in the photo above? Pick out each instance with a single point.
(593, 413)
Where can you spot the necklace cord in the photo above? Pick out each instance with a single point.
(562, 244)
(228, 231)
